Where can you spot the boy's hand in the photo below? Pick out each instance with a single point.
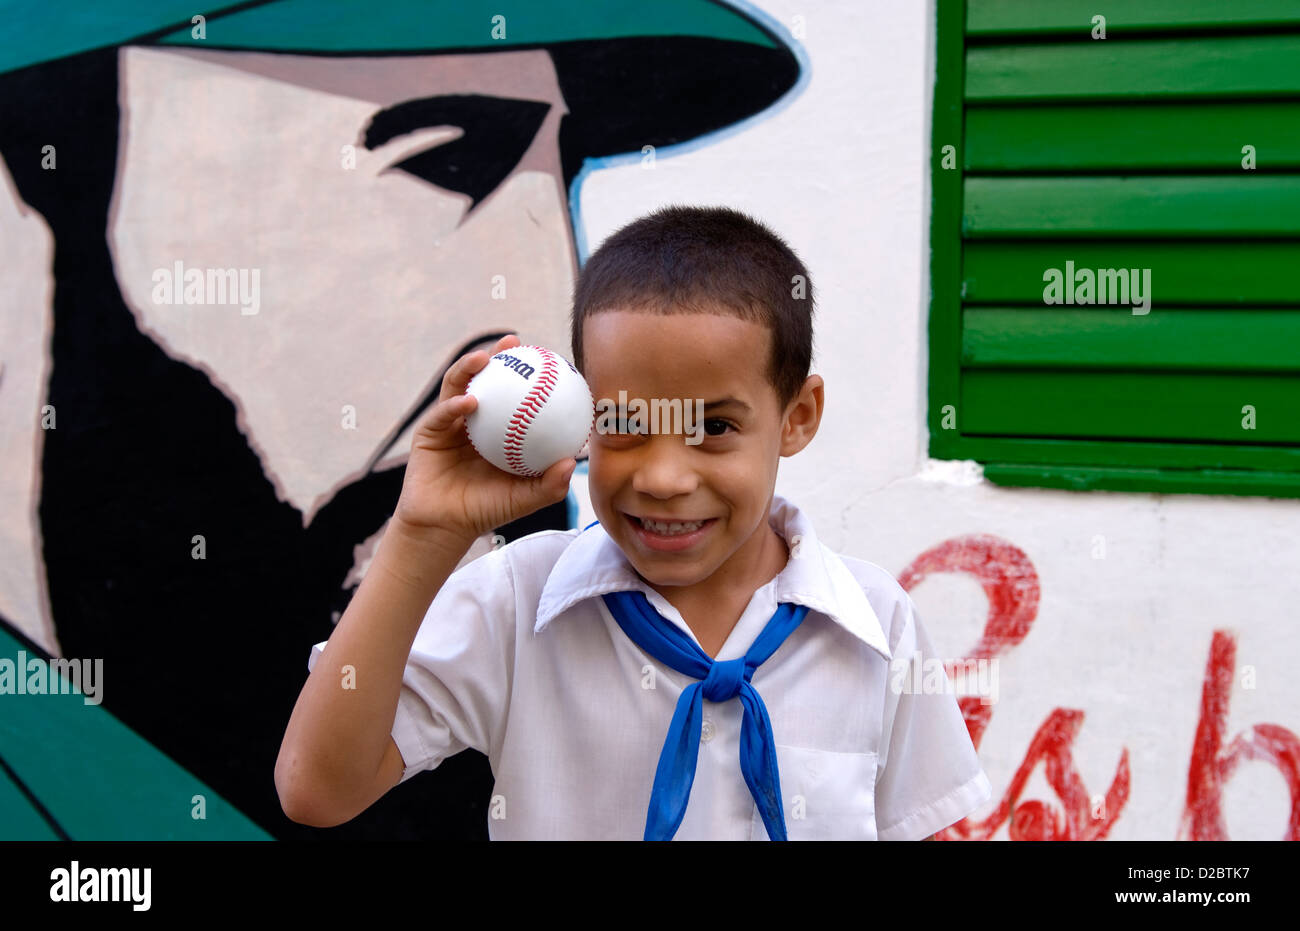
(449, 486)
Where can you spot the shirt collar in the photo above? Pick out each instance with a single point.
(593, 565)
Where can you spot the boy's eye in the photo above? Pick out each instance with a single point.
(717, 422)
(620, 426)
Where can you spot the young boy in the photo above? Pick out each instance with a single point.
(695, 665)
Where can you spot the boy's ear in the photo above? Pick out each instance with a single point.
(803, 416)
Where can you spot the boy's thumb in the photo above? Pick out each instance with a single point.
(557, 477)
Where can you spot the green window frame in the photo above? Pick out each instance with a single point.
(1053, 146)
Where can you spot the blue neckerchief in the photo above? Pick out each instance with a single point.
(721, 681)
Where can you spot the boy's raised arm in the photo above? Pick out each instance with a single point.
(331, 763)
(338, 756)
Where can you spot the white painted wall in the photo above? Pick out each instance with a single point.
(842, 173)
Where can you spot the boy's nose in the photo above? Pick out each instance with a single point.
(665, 469)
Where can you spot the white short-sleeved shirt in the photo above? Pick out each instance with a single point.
(519, 658)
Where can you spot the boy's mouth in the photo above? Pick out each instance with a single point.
(669, 534)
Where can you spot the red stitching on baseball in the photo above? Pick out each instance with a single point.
(528, 409)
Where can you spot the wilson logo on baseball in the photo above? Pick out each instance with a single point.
(534, 409)
(518, 366)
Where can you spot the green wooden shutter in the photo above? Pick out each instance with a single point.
(1118, 153)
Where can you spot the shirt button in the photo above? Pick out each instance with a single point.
(706, 731)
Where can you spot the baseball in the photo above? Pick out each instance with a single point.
(534, 409)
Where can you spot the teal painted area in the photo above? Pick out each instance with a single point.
(411, 25)
(19, 820)
(35, 32)
(98, 778)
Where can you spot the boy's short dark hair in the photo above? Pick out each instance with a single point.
(684, 259)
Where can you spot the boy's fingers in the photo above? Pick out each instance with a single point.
(467, 366)
(461, 371)
(444, 413)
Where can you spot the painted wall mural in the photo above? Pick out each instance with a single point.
(237, 255)
(240, 250)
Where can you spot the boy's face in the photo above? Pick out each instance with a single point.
(727, 479)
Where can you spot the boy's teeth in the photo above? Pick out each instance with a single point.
(670, 527)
